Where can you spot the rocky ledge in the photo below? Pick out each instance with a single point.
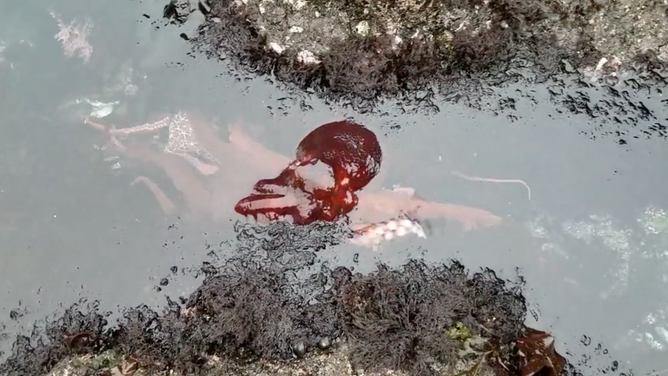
(360, 51)
(273, 315)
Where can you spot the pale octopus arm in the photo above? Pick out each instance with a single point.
(469, 217)
(379, 205)
(203, 168)
(210, 140)
(166, 204)
(374, 205)
(261, 155)
(196, 195)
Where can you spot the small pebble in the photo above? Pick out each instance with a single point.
(325, 343)
(299, 350)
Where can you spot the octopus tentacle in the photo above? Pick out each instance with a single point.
(166, 204)
(269, 208)
(470, 218)
(143, 128)
(205, 169)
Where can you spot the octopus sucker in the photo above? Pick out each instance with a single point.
(375, 234)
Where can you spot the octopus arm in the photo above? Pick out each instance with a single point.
(469, 217)
(210, 140)
(179, 172)
(166, 204)
(270, 160)
(384, 204)
(271, 207)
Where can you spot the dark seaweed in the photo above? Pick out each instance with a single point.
(362, 72)
(257, 305)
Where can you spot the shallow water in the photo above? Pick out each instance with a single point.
(73, 227)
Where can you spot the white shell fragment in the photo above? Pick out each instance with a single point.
(296, 4)
(276, 47)
(362, 28)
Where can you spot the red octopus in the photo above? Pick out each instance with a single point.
(354, 156)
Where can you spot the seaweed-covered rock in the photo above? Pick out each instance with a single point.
(359, 51)
(266, 312)
(417, 320)
(399, 319)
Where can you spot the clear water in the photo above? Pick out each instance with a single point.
(72, 227)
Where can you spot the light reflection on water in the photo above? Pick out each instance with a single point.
(71, 225)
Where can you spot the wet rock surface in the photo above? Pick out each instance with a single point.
(266, 312)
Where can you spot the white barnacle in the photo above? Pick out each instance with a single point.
(307, 57)
(601, 63)
(396, 42)
(362, 28)
(297, 4)
(392, 225)
(296, 29)
(276, 47)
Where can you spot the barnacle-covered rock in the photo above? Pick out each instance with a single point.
(362, 50)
